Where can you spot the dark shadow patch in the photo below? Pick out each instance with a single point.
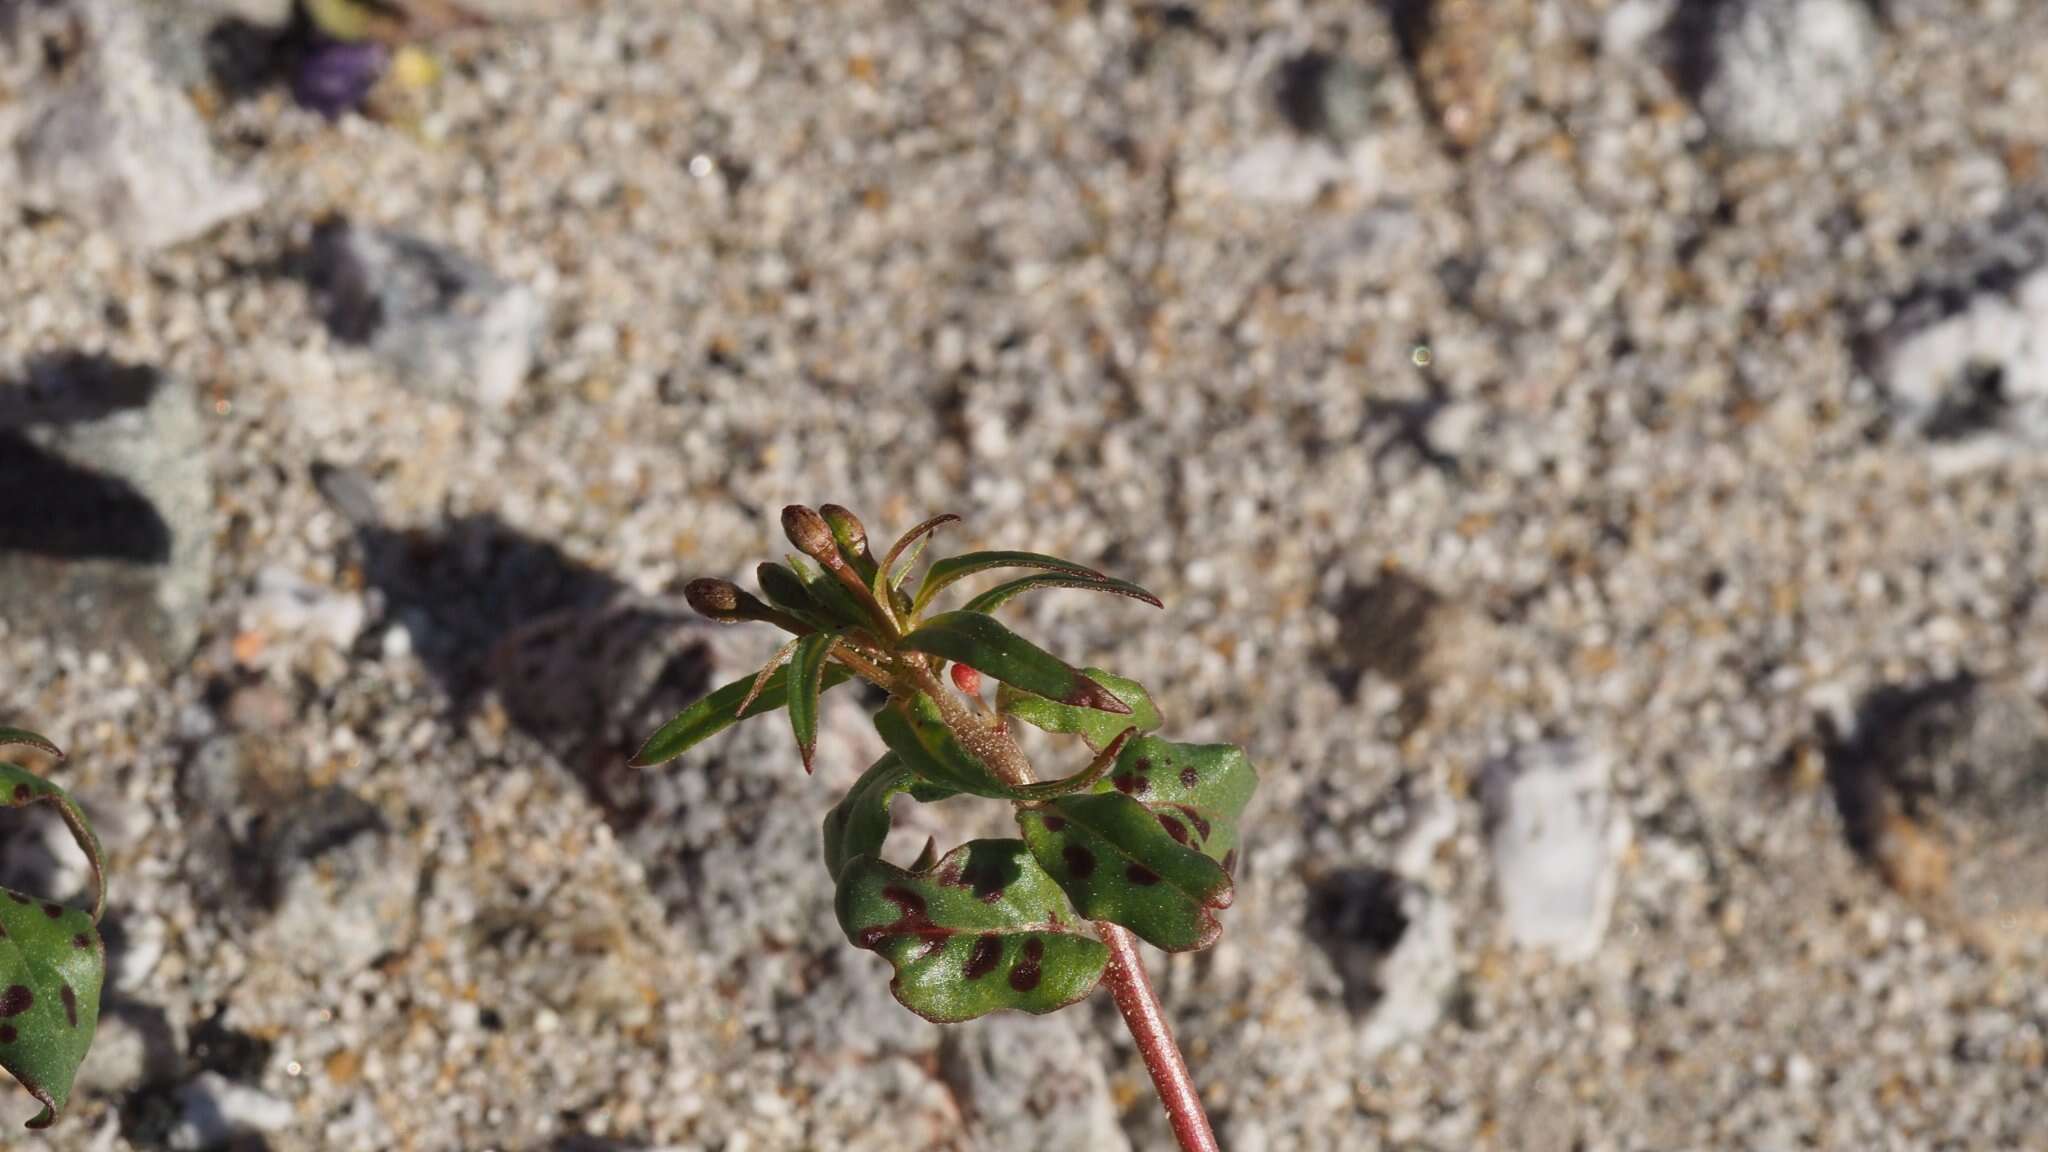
(489, 607)
(1355, 916)
(1413, 22)
(1382, 629)
(1867, 768)
(54, 508)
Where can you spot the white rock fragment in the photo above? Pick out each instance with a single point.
(1631, 25)
(1780, 72)
(445, 325)
(213, 1110)
(286, 604)
(1556, 843)
(91, 129)
(1975, 381)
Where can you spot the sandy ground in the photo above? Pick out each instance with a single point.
(1464, 389)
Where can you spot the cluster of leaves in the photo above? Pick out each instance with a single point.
(1144, 836)
(52, 961)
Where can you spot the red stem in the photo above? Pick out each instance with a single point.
(1140, 1007)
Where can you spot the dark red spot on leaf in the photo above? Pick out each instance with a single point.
(1025, 976)
(70, 999)
(1080, 861)
(1174, 828)
(1142, 876)
(22, 792)
(16, 1000)
(1125, 784)
(914, 921)
(1196, 818)
(1052, 824)
(53, 911)
(1189, 777)
(82, 942)
(1144, 763)
(7, 1033)
(988, 951)
(18, 898)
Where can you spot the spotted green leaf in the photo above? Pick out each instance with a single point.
(982, 930)
(1197, 792)
(720, 710)
(1096, 727)
(52, 961)
(1116, 862)
(807, 680)
(951, 570)
(1002, 594)
(859, 824)
(980, 642)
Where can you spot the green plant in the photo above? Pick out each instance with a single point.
(1140, 841)
(52, 961)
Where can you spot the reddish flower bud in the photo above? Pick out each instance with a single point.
(811, 535)
(967, 679)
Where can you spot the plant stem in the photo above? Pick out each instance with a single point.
(1128, 984)
(1132, 990)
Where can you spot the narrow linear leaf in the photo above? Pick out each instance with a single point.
(1002, 594)
(1197, 792)
(18, 737)
(915, 540)
(836, 603)
(983, 930)
(807, 681)
(1096, 727)
(1083, 780)
(1117, 863)
(774, 664)
(720, 710)
(956, 568)
(979, 641)
(784, 590)
(52, 960)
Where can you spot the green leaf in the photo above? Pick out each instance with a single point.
(980, 642)
(52, 961)
(1117, 863)
(914, 540)
(956, 568)
(1096, 727)
(983, 930)
(837, 605)
(720, 710)
(785, 591)
(1002, 594)
(1197, 792)
(20, 788)
(807, 675)
(15, 736)
(859, 824)
(929, 751)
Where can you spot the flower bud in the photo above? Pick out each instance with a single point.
(966, 679)
(719, 599)
(811, 535)
(846, 528)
